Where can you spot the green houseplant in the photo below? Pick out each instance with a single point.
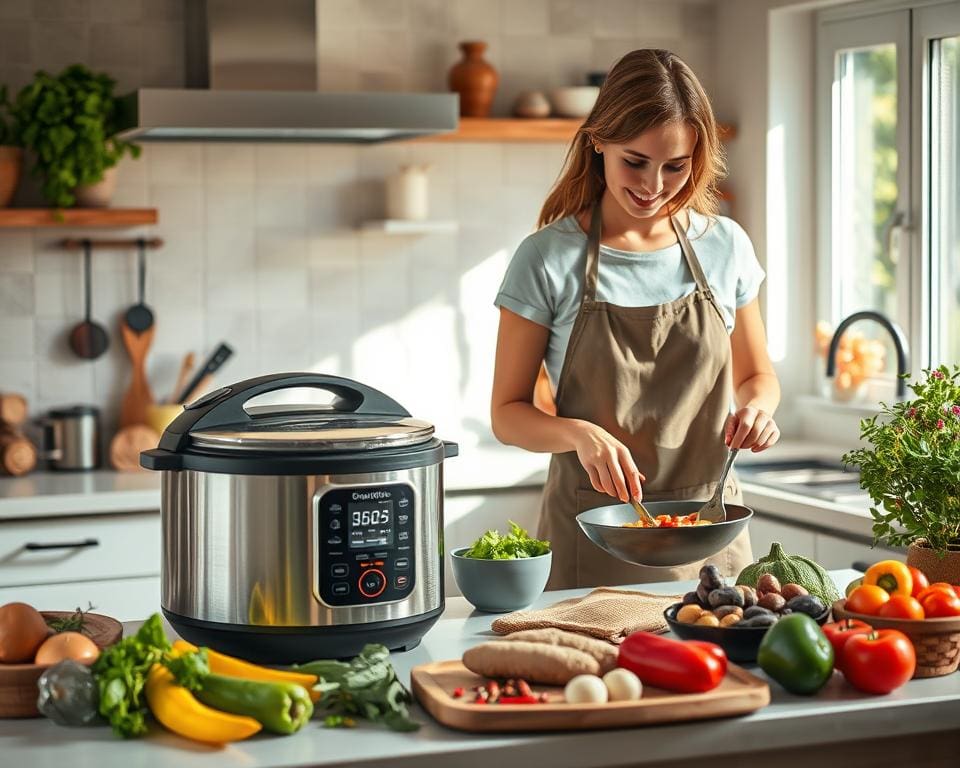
(11, 156)
(69, 123)
(912, 472)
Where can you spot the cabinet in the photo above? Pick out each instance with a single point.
(110, 561)
(468, 515)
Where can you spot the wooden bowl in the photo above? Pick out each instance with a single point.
(936, 641)
(18, 682)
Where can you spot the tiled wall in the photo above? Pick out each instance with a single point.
(261, 247)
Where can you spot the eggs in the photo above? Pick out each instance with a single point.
(585, 689)
(22, 630)
(67, 645)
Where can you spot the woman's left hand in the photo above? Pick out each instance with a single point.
(751, 428)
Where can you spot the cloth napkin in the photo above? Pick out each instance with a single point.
(607, 613)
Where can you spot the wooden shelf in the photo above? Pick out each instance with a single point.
(77, 217)
(519, 129)
(404, 227)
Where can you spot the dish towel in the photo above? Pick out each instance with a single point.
(607, 613)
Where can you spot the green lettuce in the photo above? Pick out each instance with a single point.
(515, 545)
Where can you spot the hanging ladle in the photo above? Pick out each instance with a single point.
(88, 339)
(139, 317)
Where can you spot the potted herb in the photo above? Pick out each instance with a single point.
(11, 156)
(69, 124)
(912, 473)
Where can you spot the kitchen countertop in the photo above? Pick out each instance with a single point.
(837, 714)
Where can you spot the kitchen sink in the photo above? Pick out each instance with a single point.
(830, 481)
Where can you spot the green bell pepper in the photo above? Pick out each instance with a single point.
(279, 707)
(797, 654)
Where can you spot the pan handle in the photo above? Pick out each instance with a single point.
(225, 407)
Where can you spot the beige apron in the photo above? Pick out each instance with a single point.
(658, 379)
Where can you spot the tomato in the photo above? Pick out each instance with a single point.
(901, 607)
(670, 664)
(892, 575)
(879, 662)
(938, 586)
(920, 581)
(867, 599)
(937, 605)
(840, 631)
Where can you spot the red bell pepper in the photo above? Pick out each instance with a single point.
(674, 665)
(840, 631)
(880, 661)
(713, 649)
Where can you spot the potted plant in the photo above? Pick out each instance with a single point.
(912, 473)
(69, 124)
(11, 156)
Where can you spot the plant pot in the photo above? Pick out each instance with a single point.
(923, 558)
(99, 194)
(11, 161)
(475, 80)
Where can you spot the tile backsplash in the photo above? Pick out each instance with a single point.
(262, 248)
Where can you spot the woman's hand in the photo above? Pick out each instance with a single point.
(607, 461)
(751, 428)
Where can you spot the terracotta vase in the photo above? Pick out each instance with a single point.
(99, 194)
(475, 80)
(922, 557)
(11, 161)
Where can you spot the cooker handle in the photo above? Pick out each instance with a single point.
(224, 407)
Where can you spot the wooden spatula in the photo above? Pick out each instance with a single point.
(133, 409)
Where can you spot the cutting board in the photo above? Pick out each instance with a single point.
(433, 684)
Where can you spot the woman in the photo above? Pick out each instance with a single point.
(641, 302)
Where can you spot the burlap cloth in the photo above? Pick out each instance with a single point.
(606, 613)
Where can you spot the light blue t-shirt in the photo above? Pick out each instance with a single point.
(544, 281)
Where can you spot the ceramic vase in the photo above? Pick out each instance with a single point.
(99, 194)
(475, 80)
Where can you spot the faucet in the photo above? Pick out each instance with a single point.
(899, 341)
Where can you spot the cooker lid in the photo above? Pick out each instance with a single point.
(308, 431)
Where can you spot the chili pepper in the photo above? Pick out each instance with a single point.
(519, 700)
(280, 707)
(493, 690)
(458, 692)
(543, 698)
(524, 688)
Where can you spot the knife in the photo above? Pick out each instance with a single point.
(212, 364)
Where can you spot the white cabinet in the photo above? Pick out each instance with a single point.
(837, 552)
(111, 561)
(468, 515)
(794, 539)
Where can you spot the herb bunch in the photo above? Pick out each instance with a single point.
(912, 469)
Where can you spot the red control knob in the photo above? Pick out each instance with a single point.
(372, 583)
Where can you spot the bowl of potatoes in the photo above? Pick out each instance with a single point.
(737, 617)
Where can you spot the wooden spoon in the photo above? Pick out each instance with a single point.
(133, 409)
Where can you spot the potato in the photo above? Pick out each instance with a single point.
(689, 614)
(768, 583)
(789, 591)
(730, 619)
(708, 620)
(772, 602)
(727, 610)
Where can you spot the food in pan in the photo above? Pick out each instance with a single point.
(668, 521)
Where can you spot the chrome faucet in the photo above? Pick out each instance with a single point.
(899, 342)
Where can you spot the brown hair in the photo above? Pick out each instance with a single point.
(646, 88)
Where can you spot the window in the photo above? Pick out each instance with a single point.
(888, 87)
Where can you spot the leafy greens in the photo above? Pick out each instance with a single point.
(516, 544)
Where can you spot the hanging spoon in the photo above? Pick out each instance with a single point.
(139, 317)
(88, 339)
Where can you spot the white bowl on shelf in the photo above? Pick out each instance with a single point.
(574, 101)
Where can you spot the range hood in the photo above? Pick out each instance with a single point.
(253, 68)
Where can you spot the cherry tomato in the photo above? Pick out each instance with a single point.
(839, 632)
(867, 599)
(937, 586)
(920, 581)
(937, 605)
(879, 662)
(902, 607)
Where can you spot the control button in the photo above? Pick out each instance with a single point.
(340, 588)
(372, 583)
(403, 503)
(336, 508)
(403, 535)
(402, 519)
(402, 564)
(339, 570)
(400, 582)
(334, 525)
(334, 540)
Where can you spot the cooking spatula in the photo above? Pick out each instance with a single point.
(713, 510)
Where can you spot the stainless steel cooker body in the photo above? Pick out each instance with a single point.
(254, 550)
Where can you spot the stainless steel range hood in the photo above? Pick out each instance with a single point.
(254, 68)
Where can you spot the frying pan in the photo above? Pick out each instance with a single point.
(88, 339)
(661, 547)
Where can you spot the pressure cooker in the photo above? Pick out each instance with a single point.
(297, 532)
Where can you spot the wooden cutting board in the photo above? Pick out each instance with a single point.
(433, 684)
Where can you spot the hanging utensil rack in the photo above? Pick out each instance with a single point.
(77, 244)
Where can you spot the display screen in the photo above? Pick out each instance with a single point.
(371, 524)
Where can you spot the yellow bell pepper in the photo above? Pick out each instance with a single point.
(890, 575)
(178, 711)
(221, 664)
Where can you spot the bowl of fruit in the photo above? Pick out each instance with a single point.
(737, 617)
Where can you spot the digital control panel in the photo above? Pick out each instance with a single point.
(366, 544)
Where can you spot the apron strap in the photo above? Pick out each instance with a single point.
(593, 257)
(690, 256)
